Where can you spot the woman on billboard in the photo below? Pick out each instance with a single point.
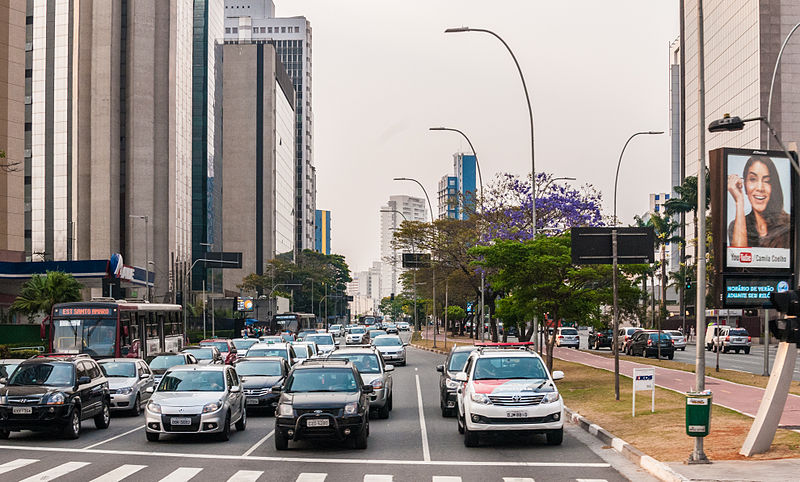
(767, 225)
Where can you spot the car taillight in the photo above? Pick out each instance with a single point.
(561, 336)
(728, 338)
(649, 342)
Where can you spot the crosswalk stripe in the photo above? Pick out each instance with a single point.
(378, 478)
(445, 478)
(517, 479)
(56, 472)
(15, 464)
(311, 477)
(119, 473)
(246, 476)
(182, 474)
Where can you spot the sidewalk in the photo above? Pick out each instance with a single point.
(741, 398)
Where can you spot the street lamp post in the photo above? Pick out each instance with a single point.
(146, 250)
(433, 268)
(774, 73)
(191, 267)
(614, 264)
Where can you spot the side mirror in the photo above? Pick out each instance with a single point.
(3, 381)
(405, 344)
(149, 390)
(276, 389)
(558, 375)
(367, 389)
(461, 377)
(389, 368)
(84, 380)
(144, 376)
(440, 368)
(236, 389)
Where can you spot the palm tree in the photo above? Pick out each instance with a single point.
(40, 293)
(665, 229)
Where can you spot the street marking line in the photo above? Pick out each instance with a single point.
(182, 474)
(378, 478)
(426, 452)
(56, 472)
(445, 478)
(113, 438)
(591, 480)
(119, 473)
(311, 460)
(246, 476)
(258, 444)
(311, 477)
(518, 479)
(15, 464)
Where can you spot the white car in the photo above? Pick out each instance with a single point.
(336, 330)
(678, 340)
(324, 341)
(356, 336)
(568, 337)
(508, 389)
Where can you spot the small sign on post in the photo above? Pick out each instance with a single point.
(644, 379)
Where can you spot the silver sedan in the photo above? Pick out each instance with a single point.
(128, 381)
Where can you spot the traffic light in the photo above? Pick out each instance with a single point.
(688, 283)
(786, 329)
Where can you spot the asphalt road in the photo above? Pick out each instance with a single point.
(397, 450)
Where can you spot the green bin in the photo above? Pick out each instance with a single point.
(698, 413)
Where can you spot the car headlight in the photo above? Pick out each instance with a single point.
(377, 384)
(285, 410)
(124, 391)
(57, 398)
(154, 407)
(211, 407)
(551, 397)
(450, 383)
(351, 408)
(480, 398)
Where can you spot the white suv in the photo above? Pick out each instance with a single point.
(508, 388)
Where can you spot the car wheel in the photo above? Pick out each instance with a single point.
(152, 436)
(671, 356)
(4, 434)
(103, 419)
(225, 434)
(383, 412)
(136, 410)
(361, 438)
(555, 437)
(241, 424)
(445, 411)
(747, 351)
(281, 440)
(683, 348)
(470, 437)
(72, 429)
(460, 423)
(390, 402)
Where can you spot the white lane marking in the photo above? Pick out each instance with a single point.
(258, 444)
(378, 478)
(445, 478)
(246, 476)
(310, 460)
(113, 438)
(518, 479)
(591, 480)
(182, 474)
(311, 477)
(426, 452)
(15, 464)
(119, 473)
(56, 472)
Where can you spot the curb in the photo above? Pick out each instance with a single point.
(657, 469)
(434, 350)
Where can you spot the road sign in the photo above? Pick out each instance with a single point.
(593, 245)
(224, 259)
(416, 260)
(644, 379)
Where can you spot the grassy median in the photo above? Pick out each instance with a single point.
(662, 435)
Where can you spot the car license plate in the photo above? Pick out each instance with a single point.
(252, 401)
(516, 414)
(318, 422)
(180, 421)
(22, 410)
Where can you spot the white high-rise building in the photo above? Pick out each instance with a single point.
(414, 209)
(254, 21)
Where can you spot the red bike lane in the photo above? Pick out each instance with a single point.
(742, 398)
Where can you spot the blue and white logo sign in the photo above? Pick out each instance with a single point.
(782, 286)
(115, 265)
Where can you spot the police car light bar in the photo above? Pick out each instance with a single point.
(508, 344)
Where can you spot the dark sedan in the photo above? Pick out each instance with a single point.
(601, 339)
(647, 343)
(259, 375)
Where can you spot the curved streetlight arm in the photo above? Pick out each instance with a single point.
(774, 74)
(472, 148)
(619, 163)
(430, 207)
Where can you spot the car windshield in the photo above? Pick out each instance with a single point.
(119, 369)
(162, 362)
(259, 369)
(322, 380)
(335, 327)
(387, 341)
(201, 353)
(192, 381)
(93, 336)
(458, 360)
(358, 331)
(281, 352)
(739, 332)
(365, 363)
(6, 369)
(376, 333)
(244, 344)
(320, 339)
(664, 336)
(221, 345)
(50, 374)
(509, 367)
(271, 339)
(287, 337)
(301, 351)
(569, 331)
(675, 333)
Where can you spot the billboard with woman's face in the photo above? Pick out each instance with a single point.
(758, 211)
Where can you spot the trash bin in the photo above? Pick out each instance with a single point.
(698, 413)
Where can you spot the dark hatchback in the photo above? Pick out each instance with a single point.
(601, 339)
(54, 394)
(454, 364)
(258, 376)
(323, 399)
(644, 343)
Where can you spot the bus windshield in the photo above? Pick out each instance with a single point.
(93, 336)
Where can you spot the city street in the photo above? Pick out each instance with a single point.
(415, 443)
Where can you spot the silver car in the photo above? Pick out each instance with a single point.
(305, 349)
(373, 372)
(391, 348)
(128, 381)
(196, 399)
(324, 341)
(678, 340)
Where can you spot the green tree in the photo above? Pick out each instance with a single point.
(40, 293)
(665, 228)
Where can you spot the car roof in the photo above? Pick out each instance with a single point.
(270, 345)
(463, 348)
(388, 335)
(355, 350)
(210, 368)
(119, 360)
(207, 340)
(164, 353)
(259, 358)
(490, 352)
(12, 360)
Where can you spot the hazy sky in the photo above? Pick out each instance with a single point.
(384, 71)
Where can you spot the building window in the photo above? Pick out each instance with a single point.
(283, 29)
(235, 30)
(297, 30)
(666, 196)
(656, 197)
(227, 30)
(656, 208)
(269, 29)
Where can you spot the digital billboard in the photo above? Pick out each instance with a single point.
(244, 304)
(752, 291)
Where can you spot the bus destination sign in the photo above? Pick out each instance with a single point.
(85, 311)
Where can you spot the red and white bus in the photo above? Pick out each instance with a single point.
(115, 328)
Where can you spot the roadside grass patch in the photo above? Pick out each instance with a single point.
(662, 435)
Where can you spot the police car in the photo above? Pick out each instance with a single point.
(506, 387)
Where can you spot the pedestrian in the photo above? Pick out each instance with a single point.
(691, 333)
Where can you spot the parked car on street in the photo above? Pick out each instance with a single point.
(258, 375)
(128, 381)
(373, 371)
(454, 364)
(567, 337)
(678, 340)
(601, 339)
(646, 343)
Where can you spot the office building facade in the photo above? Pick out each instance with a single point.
(322, 232)
(414, 209)
(258, 142)
(457, 192)
(448, 197)
(255, 21)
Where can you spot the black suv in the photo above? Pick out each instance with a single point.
(448, 385)
(54, 393)
(600, 339)
(323, 399)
